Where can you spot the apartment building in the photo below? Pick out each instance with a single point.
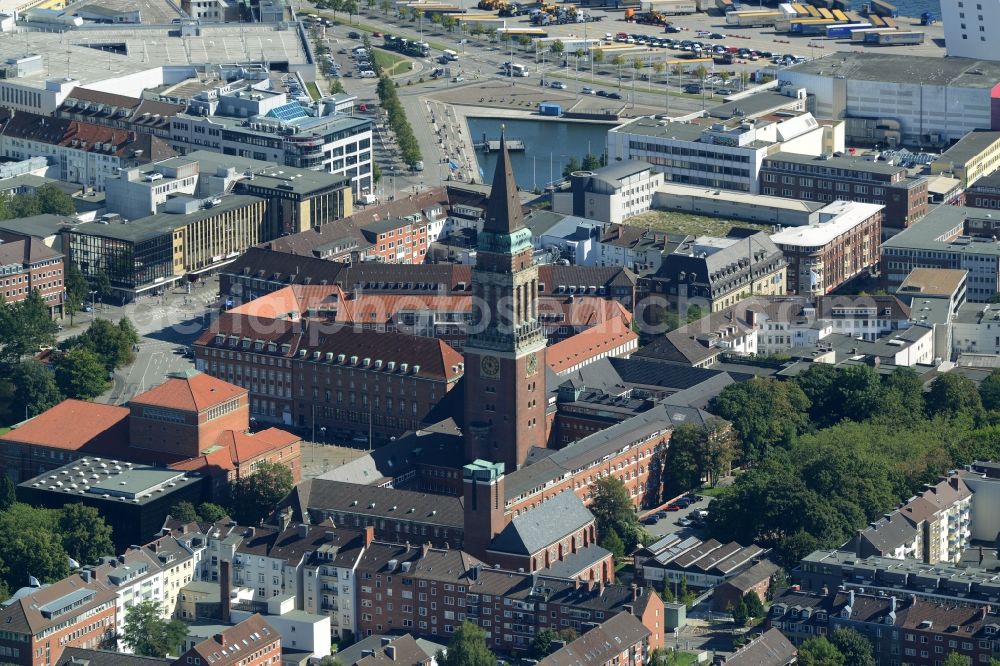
(190, 237)
(901, 629)
(82, 152)
(252, 642)
(27, 264)
(841, 245)
(725, 154)
(397, 241)
(38, 625)
(975, 155)
(430, 592)
(716, 273)
(952, 237)
(621, 641)
(610, 194)
(141, 115)
(985, 192)
(826, 178)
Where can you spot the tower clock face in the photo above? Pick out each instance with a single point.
(489, 367)
(531, 364)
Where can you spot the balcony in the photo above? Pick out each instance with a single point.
(329, 606)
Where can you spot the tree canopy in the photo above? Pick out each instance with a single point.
(820, 652)
(613, 511)
(147, 633)
(467, 647)
(253, 497)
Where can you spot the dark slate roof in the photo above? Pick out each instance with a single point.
(74, 656)
(653, 372)
(771, 649)
(438, 444)
(547, 523)
(325, 495)
(571, 565)
(600, 645)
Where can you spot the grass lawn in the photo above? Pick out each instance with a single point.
(692, 224)
(313, 89)
(711, 492)
(686, 659)
(391, 63)
(4, 431)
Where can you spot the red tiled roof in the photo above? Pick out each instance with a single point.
(235, 644)
(83, 136)
(74, 425)
(195, 393)
(592, 342)
(236, 448)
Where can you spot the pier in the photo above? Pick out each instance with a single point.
(493, 145)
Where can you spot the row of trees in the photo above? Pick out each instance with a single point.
(47, 199)
(40, 542)
(389, 100)
(836, 448)
(589, 162)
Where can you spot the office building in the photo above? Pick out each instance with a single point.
(977, 154)
(968, 28)
(716, 273)
(609, 194)
(843, 244)
(247, 121)
(985, 192)
(826, 178)
(892, 99)
(723, 154)
(190, 237)
(952, 237)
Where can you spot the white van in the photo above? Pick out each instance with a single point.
(367, 74)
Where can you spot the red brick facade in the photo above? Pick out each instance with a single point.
(185, 433)
(27, 264)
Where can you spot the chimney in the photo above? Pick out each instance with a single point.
(424, 549)
(369, 535)
(85, 575)
(224, 590)
(981, 614)
(850, 598)
(892, 604)
(303, 530)
(220, 638)
(953, 480)
(576, 584)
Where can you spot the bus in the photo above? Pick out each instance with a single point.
(449, 55)
(515, 69)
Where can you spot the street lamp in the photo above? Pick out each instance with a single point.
(322, 434)
(93, 305)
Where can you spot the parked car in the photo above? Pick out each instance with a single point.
(614, 95)
(558, 84)
(587, 90)
(684, 522)
(353, 35)
(602, 93)
(717, 35)
(673, 507)
(650, 520)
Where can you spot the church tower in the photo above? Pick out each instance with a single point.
(505, 350)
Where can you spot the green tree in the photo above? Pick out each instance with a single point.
(77, 289)
(81, 374)
(954, 396)
(467, 647)
(148, 634)
(330, 660)
(557, 47)
(102, 284)
(855, 647)
(618, 61)
(253, 497)
(31, 546)
(590, 162)
(571, 166)
(764, 412)
(7, 497)
(741, 616)
(682, 470)
(25, 326)
(754, 606)
(376, 172)
(385, 6)
(112, 343)
(597, 56)
(85, 535)
(541, 644)
(613, 510)
(989, 390)
(819, 652)
(54, 201)
(211, 513)
(184, 511)
(956, 659)
(35, 389)
(612, 543)
(667, 594)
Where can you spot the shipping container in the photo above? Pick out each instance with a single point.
(824, 12)
(839, 15)
(876, 21)
(843, 30)
(787, 10)
(811, 29)
(799, 9)
(883, 8)
(546, 109)
(753, 18)
(889, 22)
(813, 12)
(899, 38)
(724, 6)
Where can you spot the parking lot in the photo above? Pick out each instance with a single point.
(669, 524)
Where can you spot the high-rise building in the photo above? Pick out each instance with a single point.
(505, 349)
(969, 30)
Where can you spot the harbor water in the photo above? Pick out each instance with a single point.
(549, 146)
